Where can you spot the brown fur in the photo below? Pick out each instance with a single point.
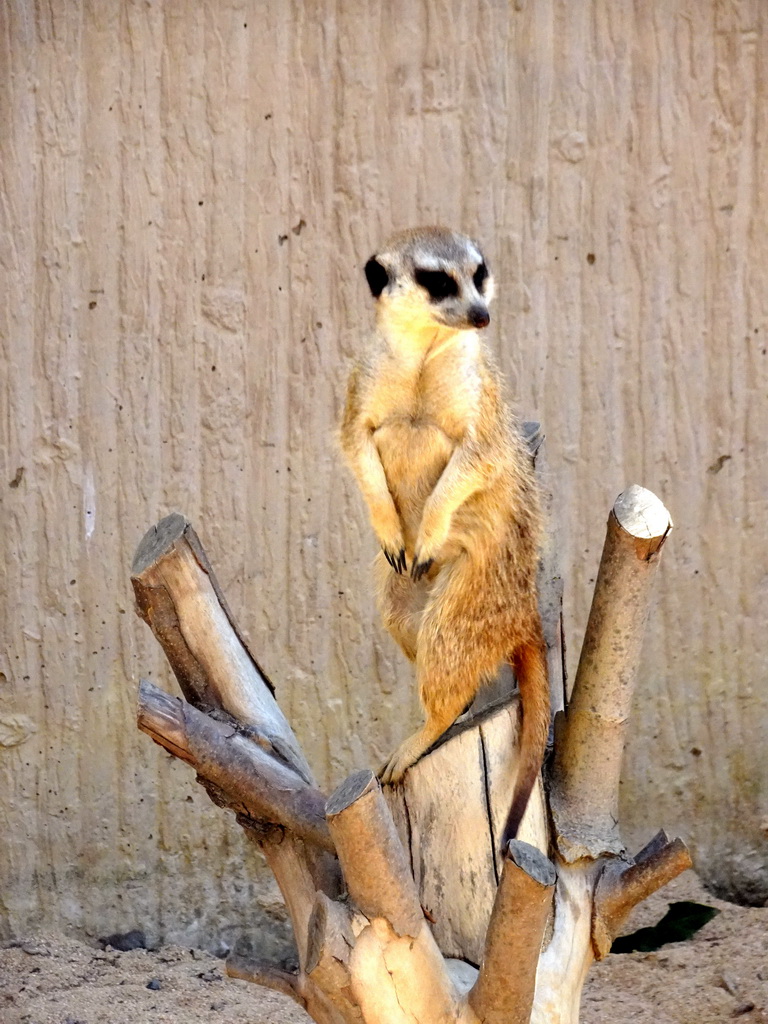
(447, 480)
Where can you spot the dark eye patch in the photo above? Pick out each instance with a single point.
(439, 284)
(377, 277)
(479, 276)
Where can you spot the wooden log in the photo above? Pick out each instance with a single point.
(178, 596)
(589, 738)
(503, 992)
(252, 782)
(372, 857)
(450, 811)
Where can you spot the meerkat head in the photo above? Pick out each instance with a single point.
(429, 279)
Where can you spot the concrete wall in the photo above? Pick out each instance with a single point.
(187, 195)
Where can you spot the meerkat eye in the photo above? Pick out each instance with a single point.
(377, 277)
(479, 276)
(439, 284)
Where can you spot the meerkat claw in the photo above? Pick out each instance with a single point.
(419, 568)
(396, 561)
(406, 755)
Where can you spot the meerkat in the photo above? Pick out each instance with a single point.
(450, 491)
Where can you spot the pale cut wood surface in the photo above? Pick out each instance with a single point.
(186, 205)
(450, 813)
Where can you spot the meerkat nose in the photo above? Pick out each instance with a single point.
(478, 316)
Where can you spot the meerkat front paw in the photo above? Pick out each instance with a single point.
(432, 536)
(419, 567)
(386, 525)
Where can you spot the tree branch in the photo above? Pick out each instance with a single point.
(621, 888)
(178, 596)
(503, 992)
(261, 972)
(589, 738)
(252, 782)
(372, 857)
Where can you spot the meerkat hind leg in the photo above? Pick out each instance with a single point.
(410, 750)
(444, 696)
(456, 652)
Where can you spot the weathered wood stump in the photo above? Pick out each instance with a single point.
(403, 907)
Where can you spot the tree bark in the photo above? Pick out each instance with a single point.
(450, 811)
(372, 857)
(252, 783)
(178, 596)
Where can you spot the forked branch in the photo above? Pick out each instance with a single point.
(178, 596)
(621, 887)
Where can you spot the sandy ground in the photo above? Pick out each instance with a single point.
(719, 975)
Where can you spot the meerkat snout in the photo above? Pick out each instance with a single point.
(478, 316)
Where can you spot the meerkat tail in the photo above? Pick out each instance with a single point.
(530, 666)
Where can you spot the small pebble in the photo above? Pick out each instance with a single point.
(727, 982)
(743, 1008)
(155, 984)
(36, 948)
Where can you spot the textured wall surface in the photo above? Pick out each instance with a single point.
(187, 195)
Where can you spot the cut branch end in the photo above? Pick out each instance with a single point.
(622, 887)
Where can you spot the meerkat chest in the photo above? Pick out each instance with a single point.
(441, 393)
(422, 413)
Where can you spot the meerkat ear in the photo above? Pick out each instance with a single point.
(377, 276)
